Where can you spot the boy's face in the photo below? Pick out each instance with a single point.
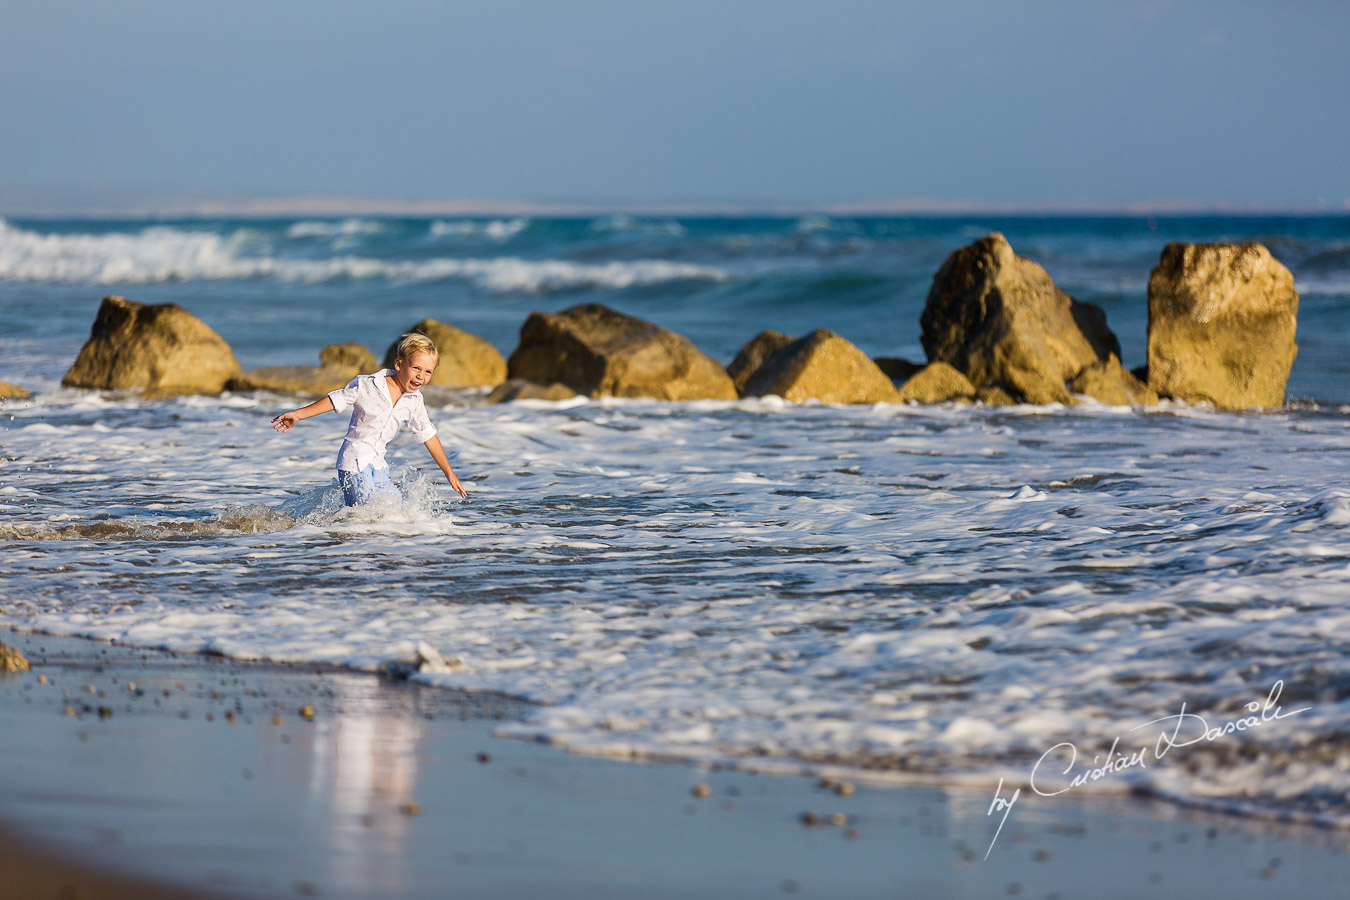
(415, 371)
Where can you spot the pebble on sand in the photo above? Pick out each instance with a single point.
(701, 790)
(307, 713)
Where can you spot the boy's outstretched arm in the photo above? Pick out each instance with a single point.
(284, 421)
(438, 453)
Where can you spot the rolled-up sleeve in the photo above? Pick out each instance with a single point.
(419, 422)
(345, 398)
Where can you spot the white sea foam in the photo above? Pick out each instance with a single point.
(331, 229)
(160, 254)
(495, 229)
(936, 592)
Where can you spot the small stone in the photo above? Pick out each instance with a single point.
(70, 710)
(484, 758)
(229, 716)
(104, 712)
(131, 686)
(276, 719)
(410, 809)
(851, 834)
(1041, 855)
(90, 689)
(701, 790)
(844, 789)
(307, 713)
(811, 818)
(838, 819)
(42, 679)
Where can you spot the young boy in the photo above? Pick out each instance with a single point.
(379, 404)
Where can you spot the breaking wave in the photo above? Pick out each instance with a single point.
(164, 254)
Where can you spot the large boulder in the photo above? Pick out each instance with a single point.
(936, 383)
(597, 351)
(1111, 383)
(162, 349)
(1000, 320)
(752, 356)
(466, 360)
(12, 391)
(1221, 323)
(520, 389)
(339, 364)
(821, 366)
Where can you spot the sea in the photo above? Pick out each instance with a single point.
(1062, 598)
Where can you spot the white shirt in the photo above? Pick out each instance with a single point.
(375, 420)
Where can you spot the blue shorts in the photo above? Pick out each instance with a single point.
(359, 487)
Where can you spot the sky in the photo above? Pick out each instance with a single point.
(754, 104)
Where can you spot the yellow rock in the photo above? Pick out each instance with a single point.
(753, 354)
(1001, 320)
(12, 660)
(822, 366)
(935, 383)
(162, 349)
(598, 351)
(466, 360)
(12, 391)
(520, 389)
(1221, 324)
(1110, 383)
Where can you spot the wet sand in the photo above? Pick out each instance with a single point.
(132, 773)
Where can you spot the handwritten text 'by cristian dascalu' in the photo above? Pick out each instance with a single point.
(1197, 729)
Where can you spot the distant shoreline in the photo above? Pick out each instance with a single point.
(40, 205)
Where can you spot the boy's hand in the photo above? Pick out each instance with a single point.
(283, 422)
(459, 488)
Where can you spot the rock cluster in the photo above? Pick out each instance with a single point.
(995, 328)
(338, 364)
(12, 391)
(1000, 320)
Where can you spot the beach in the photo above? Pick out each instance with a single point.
(212, 778)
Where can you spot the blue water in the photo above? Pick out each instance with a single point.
(279, 289)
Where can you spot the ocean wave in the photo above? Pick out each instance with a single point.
(163, 254)
(626, 224)
(328, 229)
(497, 229)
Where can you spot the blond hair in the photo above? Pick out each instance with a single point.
(415, 342)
